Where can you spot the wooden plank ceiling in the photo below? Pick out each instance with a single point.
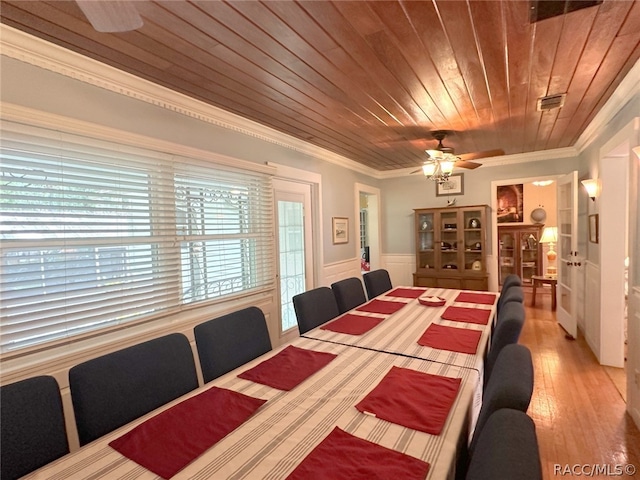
(371, 79)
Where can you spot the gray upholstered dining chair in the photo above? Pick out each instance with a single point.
(514, 293)
(114, 389)
(377, 282)
(32, 431)
(315, 307)
(349, 293)
(507, 448)
(229, 341)
(508, 329)
(510, 280)
(509, 386)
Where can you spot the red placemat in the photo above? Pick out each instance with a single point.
(461, 340)
(413, 399)
(168, 442)
(288, 368)
(468, 315)
(352, 324)
(342, 456)
(406, 292)
(482, 298)
(381, 306)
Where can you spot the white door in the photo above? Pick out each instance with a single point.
(295, 249)
(568, 259)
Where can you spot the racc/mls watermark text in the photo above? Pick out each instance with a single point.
(594, 470)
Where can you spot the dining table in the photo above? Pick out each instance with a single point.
(398, 332)
(325, 405)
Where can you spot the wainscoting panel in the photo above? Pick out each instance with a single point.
(336, 271)
(400, 267)
(592, 307)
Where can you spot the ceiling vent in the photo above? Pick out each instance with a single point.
(543, 9)
(551, 101)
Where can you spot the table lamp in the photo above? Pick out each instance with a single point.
(550, 236)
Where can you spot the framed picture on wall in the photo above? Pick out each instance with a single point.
(510, 203)
(593, 228)
(340, 228)
(453, 186)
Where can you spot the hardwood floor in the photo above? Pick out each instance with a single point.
(579, 414)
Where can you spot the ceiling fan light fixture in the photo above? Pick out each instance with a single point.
(434, 153)
(429, 169)
(446, 166)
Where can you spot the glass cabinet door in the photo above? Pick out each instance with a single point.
(426, 241)
(507, 244)
(473, 247)
(529, 256)
(449, 240)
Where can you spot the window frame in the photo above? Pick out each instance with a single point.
(43, 138)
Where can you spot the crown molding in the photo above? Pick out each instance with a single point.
(25, 118)
(40, 53)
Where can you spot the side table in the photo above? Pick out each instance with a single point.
(540, 280)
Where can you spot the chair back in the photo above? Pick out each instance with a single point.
(514, 293)
(315, 307)
(377, 282)
(349, 293)
(511, 280)
(230, 341)
(507, 448)
(508, 328)
(32, 431)
(509, 386)
(114, 389)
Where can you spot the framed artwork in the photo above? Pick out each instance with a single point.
(340, 229)
(593, 228)
(510, 203)
(453, 186)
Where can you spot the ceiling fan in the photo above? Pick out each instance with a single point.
(442, 159)
(111, 16)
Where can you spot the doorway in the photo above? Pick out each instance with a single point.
(539, 201)
(294, 243)
(612, 207)
(368, 227)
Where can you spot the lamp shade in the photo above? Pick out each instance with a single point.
(447, 166)
(592, 187)
(429, 169)
(549, 235)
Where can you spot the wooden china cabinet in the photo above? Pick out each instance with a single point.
(519, 251)
(451, 247)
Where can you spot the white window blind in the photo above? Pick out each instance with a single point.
(92, 236)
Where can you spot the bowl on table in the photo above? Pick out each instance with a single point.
(432, 301)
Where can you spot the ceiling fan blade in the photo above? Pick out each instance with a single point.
(415, 171)
(111, 16)
(478, 155)
(466, 164)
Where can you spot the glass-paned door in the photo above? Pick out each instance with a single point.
(294, 242)
(426, 241)
(567, 253)
(507, 251)
(449, 240)
(473, 246)
(530, 260)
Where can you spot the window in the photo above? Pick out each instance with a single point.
(92, 236)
